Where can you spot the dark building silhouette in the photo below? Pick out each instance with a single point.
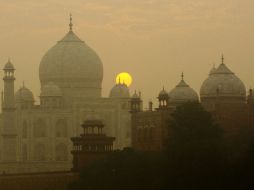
(150, 129)
(223, 94)
(92, 145)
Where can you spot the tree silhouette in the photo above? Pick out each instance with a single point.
(123, 170)
(196, 158)
(196, 154)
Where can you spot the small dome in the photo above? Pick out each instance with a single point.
(9, 66)
(92, 119)
(136, 95)
(119, 91)
(223, 82)
(163, 93)
(24, 95)
(182, 93)
(51, 90)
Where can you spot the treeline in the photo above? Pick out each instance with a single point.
(197, 157)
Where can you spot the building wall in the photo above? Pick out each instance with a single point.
(43, 134)
(114, 115)
(150, 130)
(34, 166)
(40, 132)
(38, 181)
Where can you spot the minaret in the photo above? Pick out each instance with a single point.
(8, 98)
(9, 134)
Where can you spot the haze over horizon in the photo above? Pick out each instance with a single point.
(153, 40)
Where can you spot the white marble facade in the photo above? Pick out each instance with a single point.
(37, 136)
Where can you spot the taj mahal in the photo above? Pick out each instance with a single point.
(37, 137)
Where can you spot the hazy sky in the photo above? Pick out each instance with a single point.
(153, 40)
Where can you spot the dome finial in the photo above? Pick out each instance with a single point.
(119, 80)
(222, 59)
(182, 75)
(70, 25)
(23, 84)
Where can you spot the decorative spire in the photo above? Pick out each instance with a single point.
(70, 25)
(23, 84)
(182, 76)
(139, 94)
(222, 59)
(119, 80)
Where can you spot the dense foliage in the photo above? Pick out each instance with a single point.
(196, 158)
(122, 170)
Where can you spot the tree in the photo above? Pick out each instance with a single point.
(196, 153)
(195, 158)
(123, 170)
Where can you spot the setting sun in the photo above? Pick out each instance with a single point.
(124, 77)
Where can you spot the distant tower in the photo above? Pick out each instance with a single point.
(163, 99)
(9, 134)
(92, 145)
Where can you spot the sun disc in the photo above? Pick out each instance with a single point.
(124, 78)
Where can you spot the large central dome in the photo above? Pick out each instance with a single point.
(73, 66)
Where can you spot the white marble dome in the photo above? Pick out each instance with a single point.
(24, 95)
(71, 63)
(119, 91)
(182, 93)
(224, 83)
(51, 90)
